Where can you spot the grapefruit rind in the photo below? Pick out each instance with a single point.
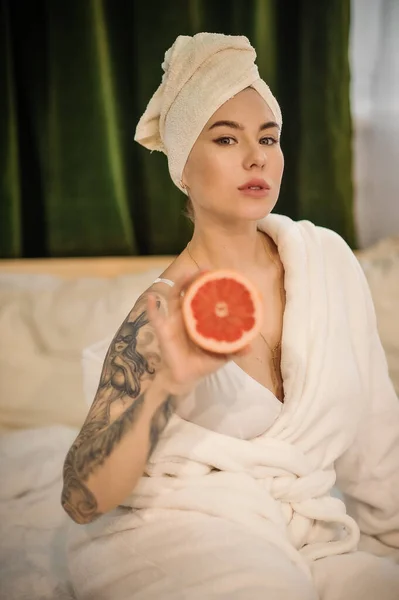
(211, 344)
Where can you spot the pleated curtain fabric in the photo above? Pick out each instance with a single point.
(76, 76)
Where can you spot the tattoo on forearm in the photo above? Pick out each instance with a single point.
(123, 371)
(96, 450)
(77, 499)
(159, 422)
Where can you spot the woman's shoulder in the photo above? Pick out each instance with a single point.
(341, 265)
(338, 252)
(284, 228)
(332, 243)
(179, 269)
(316, 239)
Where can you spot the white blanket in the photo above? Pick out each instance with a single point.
(340, 418)
(33, 525)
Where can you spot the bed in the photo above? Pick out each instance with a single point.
(50, 310)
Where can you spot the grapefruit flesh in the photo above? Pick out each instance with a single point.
(222, 311)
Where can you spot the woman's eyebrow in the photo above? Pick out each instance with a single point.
(269, 125)
(232, 124)
(235, 125)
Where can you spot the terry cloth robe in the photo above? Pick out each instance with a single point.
(339, 424)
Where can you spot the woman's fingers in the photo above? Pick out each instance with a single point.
(174, 340)
(176, 293)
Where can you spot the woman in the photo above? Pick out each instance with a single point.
(222, 468)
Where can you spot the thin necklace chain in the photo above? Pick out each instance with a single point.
(276, 350)
(192, 257)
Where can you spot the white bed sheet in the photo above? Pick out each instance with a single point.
(32, 523)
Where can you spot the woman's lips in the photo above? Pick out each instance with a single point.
(255, 188)
(255, 193)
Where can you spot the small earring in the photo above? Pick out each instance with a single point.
(182, 185)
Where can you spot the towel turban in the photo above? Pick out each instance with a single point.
(200, 74)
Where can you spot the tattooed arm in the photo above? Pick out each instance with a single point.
(130, 410)
(144, 375)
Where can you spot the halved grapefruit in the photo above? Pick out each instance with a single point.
(222, 311)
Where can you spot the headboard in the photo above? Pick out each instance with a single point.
(108, 266)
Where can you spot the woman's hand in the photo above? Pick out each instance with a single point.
(184, 363)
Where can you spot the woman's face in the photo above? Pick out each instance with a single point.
(239, 144)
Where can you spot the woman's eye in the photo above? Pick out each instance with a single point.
(228, 141)
(268, 141)
(225, 141)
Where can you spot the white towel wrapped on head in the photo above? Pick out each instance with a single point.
(200, 74)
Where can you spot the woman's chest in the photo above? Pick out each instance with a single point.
(262, 363)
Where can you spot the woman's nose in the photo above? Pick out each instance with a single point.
(256, 157)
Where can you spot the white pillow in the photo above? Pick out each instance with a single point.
(381, 267)
(45, 323)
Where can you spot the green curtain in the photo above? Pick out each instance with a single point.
(76, 76)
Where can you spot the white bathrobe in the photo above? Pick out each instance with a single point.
(271, 496)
